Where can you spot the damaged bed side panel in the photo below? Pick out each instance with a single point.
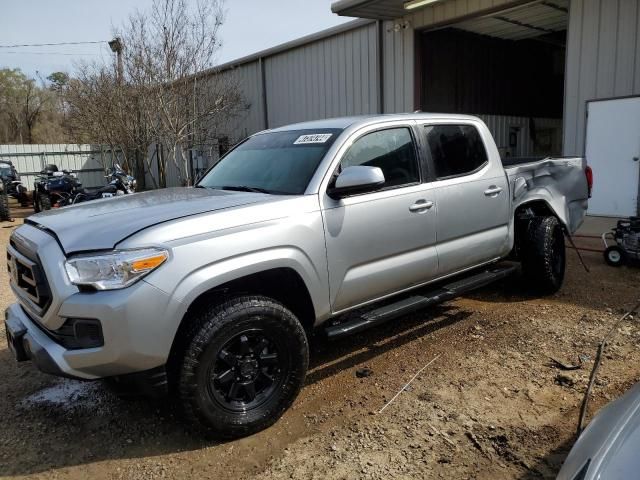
(558, 182)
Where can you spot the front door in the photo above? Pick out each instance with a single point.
(384, 241)
(472, 196)
(613, 152)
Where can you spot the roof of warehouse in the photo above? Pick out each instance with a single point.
(298, 42)
(376, 9)
(526, 21)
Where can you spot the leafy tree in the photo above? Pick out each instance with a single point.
(23, 104)
(58, 80)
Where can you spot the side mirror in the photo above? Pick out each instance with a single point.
(358, 179)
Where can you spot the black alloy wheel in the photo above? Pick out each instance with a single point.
(247, 370)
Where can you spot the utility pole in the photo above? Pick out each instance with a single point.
(116, 47)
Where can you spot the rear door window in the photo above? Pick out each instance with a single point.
(455, 150)
(391, 150)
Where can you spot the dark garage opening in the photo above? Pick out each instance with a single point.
(507, 68)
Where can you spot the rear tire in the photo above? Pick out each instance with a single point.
(615, 256)
(5, 214)
(543, 255)
(243, 364)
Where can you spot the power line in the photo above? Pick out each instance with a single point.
(50, 53)
(51, 44)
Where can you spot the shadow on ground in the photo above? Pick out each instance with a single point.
(548, 466)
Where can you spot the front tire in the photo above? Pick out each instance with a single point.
(36, 205)
(44, 202)
(5, 214)
(244, 364)
(544, 255)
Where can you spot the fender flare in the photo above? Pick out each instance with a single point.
(227, 270)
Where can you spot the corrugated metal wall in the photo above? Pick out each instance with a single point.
(338, 75)
(250, 119)
(331, 77)
(500, 126)
(87, 161)
(328, 77)
(398, 58)
(603, 60)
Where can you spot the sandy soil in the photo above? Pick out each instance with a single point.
(491, 405)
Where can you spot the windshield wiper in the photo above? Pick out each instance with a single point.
(244, 188)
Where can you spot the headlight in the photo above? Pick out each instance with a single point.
(114, 270)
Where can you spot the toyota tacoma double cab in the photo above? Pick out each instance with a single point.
(211, 293)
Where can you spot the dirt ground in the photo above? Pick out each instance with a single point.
(491, 406)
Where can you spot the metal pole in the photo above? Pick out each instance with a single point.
(116, 47)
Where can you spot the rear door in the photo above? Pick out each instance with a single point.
(384, 241)
(472, 199)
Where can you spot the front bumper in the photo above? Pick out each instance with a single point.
(28, 345)
(137, 328)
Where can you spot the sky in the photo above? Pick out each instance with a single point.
(250, 26)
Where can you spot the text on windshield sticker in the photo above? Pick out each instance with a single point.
(313, 138)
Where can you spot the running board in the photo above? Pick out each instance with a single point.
(417, 302)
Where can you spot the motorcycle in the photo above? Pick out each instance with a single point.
(119, 183)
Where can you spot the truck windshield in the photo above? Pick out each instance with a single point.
(277, 162)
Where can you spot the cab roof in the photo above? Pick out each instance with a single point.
(362, 120)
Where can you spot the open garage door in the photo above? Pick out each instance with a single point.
(508, 68)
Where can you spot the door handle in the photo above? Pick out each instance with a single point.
(492, 191)
(421, 205)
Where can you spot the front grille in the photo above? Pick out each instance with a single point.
(27, 278)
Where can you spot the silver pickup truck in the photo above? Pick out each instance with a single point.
(211, 293)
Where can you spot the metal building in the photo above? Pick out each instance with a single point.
(548, 77)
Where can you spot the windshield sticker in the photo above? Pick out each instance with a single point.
(314, 138)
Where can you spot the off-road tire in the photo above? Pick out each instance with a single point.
(23, 199)
(36, 204)
(5, 214)
(615, 256)
(217, 328)
(543, 255)
(44, 202)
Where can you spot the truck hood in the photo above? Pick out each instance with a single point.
(102, 224)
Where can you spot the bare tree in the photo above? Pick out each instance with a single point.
(169, 93)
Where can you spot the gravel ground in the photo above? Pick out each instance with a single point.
(490, 406)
